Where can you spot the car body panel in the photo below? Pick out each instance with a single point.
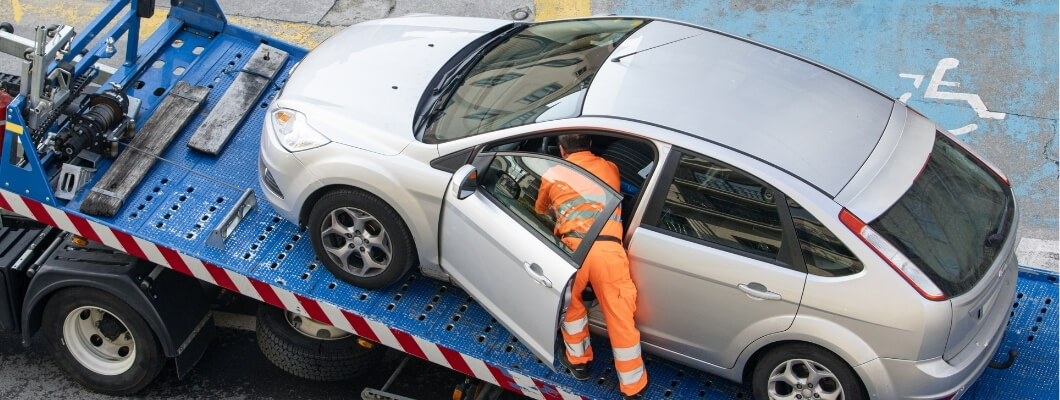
(670, 271)
(485, 250)
(368, 78)
(821, 125)
(890, 170)
(981, 309)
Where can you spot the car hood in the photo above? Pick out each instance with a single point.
(361, 86)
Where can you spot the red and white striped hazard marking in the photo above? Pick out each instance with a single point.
(279, 297)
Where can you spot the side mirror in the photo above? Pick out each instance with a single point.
(465, 182)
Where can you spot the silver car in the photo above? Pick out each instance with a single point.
(787, 225)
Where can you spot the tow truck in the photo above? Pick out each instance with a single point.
(117, 286)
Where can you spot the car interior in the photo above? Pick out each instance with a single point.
(635, 159)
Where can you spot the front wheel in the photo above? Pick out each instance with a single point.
(804, 371)
(101, 342)
(360, 239)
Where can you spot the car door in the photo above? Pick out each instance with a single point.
(504, 253)
(712, 261)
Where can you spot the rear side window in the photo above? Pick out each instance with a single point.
(822, 252)
(952, 221)
(714, 203)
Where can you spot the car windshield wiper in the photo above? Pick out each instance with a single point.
(995, 237)
(450, 80)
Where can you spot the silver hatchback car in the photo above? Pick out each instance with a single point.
(786, 224)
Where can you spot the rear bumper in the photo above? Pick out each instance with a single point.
(937, 378)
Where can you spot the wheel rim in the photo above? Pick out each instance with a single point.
(356, 242)
(803, 379)
(313, 328)
(99, 340)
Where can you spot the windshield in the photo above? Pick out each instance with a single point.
(544, 66)
(953, 220)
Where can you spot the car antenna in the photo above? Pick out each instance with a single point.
(619, 58)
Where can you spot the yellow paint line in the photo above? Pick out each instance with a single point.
(296, 33)
(77, 14)
(150, 25)
(545, 10)
(16, 13)
(13, 128)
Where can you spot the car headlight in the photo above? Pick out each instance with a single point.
(293, 131)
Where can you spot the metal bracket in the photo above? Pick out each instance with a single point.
(382, 394)
(244, 205)
(71, 179)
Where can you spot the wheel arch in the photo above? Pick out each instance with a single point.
(414, 227)
(174, 306)
(764, 346)
(49, 281)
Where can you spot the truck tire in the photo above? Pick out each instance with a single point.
(309, 349)
(100, 342)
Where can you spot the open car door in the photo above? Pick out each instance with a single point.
(504, 253)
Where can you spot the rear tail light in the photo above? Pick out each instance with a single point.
(905, 268)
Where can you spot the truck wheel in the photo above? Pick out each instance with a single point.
(360, 239)
(804, 371)
(101, 342)
(306, 348)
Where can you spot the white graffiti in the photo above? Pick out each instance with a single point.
(933, 92)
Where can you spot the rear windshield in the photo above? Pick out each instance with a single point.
(953, 220)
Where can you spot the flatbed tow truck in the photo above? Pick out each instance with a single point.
(195, 214)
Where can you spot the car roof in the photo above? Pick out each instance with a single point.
(811, 121)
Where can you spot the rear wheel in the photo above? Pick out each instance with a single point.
(101, 342)
(360, 239)
(804, 371)
(310, 349)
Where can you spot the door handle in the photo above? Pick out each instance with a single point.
(758, 291)
(536, 273)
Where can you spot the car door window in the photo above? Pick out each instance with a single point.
(822, 252)
(712, 202)
(514, 181)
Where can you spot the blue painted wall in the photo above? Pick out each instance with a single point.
(1003, 51)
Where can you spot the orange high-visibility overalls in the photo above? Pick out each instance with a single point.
(606, 267)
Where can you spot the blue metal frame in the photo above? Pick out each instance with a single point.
(29, 180)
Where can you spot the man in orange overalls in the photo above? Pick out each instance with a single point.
(606, 266)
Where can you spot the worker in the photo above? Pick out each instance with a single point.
(606, 267)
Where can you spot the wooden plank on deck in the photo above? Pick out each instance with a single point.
(108, 195)
(237, 101)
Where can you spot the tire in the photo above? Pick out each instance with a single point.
(309, 349)
(370, 246)
(100, 342)
(833, 377)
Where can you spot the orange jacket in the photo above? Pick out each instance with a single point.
(575, 201)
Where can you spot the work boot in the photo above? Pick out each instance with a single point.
(579, 371)
(637, 396)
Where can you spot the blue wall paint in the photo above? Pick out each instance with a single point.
(1007, 53)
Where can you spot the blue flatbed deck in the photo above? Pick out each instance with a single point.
(167, 219)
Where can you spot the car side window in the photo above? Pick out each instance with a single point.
(712, 202)
(822, 252)
(515, 182)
